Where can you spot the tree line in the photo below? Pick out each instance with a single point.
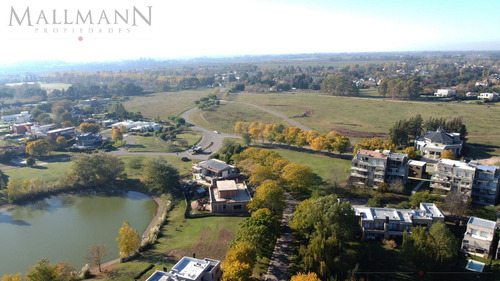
(332, 141)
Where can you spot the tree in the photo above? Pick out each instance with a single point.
(39, 147)
(311, 276)
(90, 128)
(43, 271)
(4, 95)
(269, 195)
(128, 241)
(260, 231)
(96, 254)
(239, 262)
(455, 204)
(448, 154)
(247, 138)
(297, 177)
(410, 151)
(30, 161)
(99, 169)
(117, 134)
(12, 277)
(159, 176)
(61, 142)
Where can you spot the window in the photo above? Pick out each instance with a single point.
(379, 225)
(394, 226)
(467, 174)
(484, 234)
(474, 231)
(374, 162)
(367, 225)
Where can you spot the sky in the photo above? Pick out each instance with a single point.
(205, 28)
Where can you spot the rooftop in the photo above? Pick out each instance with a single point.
(416, 163)
(427, 211)
(215, 164)
(242, 193)
(487, 168)
(456, 163)
(482, 223)
(226, 185)
(190, 268)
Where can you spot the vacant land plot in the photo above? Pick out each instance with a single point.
(134, 164)
(205, 237)
(224, 117)
(165, 103)
(50, 172)
(153, 144)
(368, 117)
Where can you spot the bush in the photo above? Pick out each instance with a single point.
(390, 243)
(376, 201)
(135, 163)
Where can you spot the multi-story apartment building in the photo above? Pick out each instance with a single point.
(486, 185)
(374, 167)
(385, 223)
(478, 238)
(471, 180)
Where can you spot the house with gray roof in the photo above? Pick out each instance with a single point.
(479, 236)
(209, 171)
(387, 223)
(433, 143)
(88, 140)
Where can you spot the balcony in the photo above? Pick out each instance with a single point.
(359, 168)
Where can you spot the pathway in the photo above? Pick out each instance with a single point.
(280, 260)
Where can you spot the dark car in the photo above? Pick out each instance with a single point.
(185, 159)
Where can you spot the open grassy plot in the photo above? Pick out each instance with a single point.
(205, 237)
(135, 172)
(224, 117)
(50, 172)
(155, 144)
(165, 103)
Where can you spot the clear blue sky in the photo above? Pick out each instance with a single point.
(191, 28)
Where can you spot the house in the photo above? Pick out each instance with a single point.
(483, 83)
(374, 167)
(486, 184)
(488, 96)
(67, 131)
(88, 140)
(40, 131)
(228, 196)
(138, 126)
(209, 171)
(416, 169)
(452, 175)
(389, 223)
(479, 236)
(190, 269)
(433, 143)
(22, 117)
(471, 95)
(445, 93)
(18, 150)
(22, 128)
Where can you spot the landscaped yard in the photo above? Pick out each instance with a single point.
(50, 172)
(165, 103)
(204, 237)
(154, 144)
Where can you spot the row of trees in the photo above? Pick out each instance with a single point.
(339, 85)
(332, 141)
(398, 88)
(405, 130)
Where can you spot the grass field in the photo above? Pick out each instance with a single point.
(205, 237)
(154, 144)
(224, 117)
(183, 167)
(51, 172)
(165, 103)
(366, 117)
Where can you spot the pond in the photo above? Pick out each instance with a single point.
(62, 228)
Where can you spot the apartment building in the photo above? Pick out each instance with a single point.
(471, 180)
(388, 223)
(479, 236)
(374, 167)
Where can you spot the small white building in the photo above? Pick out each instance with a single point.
(138, 126)
(445, 93)
(190, 269)
(478, 238)
(22, 117)
(488, 96)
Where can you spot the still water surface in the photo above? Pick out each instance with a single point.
(62, 228)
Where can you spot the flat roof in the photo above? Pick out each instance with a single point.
(456, 163)
(242, 194)
(190, 268)
(228, 185)
(426, 211)
(487, 167)
(482, 222)
(417, 163)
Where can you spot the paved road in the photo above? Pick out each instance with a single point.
(280, 260)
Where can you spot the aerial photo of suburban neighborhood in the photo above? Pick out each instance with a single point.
(253, 140)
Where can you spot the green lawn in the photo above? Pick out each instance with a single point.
(205, 237)
(51, 172)
(154, 144)
(183, 167)
(165, 103)
(224, 117)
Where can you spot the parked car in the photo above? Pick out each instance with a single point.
(185, 159)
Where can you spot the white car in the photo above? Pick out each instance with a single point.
(217, 132)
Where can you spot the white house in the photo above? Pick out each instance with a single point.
(22, 117)
(190, 269)
(445, 93)
(488, 96)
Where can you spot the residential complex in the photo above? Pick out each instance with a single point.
(433, 143)
(471, 180)
(190, 269)
(479, 236)
(374, 167)
(386, 223)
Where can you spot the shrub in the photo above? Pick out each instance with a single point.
(390, 243)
